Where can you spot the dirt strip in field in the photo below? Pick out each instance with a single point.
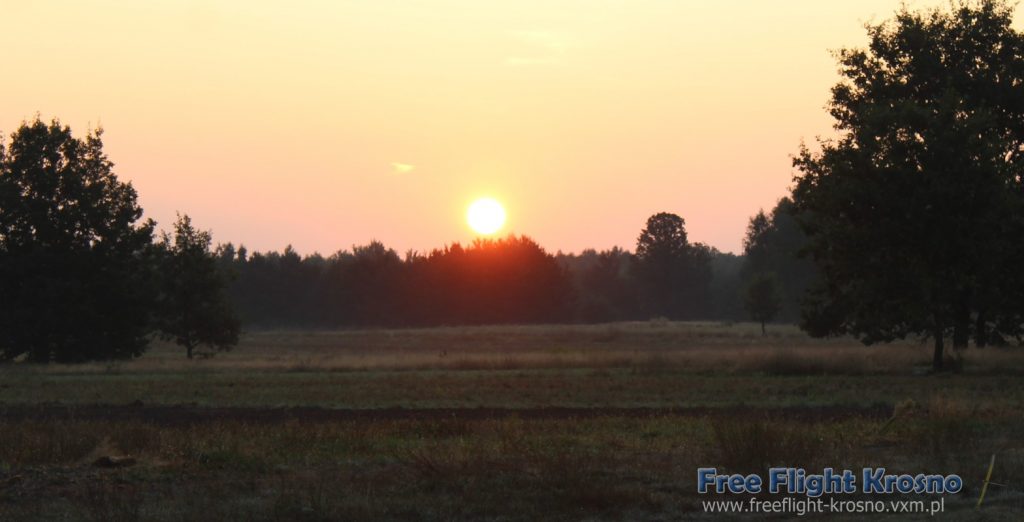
(192, 414)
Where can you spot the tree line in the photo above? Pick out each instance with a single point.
(489, 281)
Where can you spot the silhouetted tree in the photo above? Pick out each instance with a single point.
(774, 243)
(762, 300)
(661, 253)
(756, 243)
(509, 280)
(674, 274)
(194, 309)
(75, 261)
(914, 212)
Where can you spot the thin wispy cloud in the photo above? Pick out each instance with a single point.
(402, 168)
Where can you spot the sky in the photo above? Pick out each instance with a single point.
(327, 124)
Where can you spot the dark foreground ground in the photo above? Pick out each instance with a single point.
(516, 423)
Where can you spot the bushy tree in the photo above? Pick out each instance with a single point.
(194, 309)
(75, 257)
(675, 275)
(507, 280)
(914, 212)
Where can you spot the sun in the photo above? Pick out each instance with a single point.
(485, 216)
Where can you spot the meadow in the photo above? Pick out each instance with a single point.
(560, 422)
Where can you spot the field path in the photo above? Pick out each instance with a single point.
(193, 414)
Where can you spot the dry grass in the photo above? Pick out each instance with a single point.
(691, 347)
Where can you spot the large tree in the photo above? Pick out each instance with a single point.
(914, 211)
(75, 266)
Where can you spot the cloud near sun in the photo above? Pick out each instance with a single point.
(402, 168)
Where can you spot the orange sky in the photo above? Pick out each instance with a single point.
(330, 123)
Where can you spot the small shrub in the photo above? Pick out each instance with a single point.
(747, 446)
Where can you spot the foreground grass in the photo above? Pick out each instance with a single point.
(442, 469)
(617, 388)
(663, 399)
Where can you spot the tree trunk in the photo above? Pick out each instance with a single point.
(961, 331)
(980, 331)
(937, 357)
(961, 321)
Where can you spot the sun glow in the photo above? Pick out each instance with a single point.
(485, 216)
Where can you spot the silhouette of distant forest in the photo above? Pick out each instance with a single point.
(513, 280)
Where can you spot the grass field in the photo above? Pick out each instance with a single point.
(605, 422)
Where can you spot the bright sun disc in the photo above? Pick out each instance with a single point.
(485, 216)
